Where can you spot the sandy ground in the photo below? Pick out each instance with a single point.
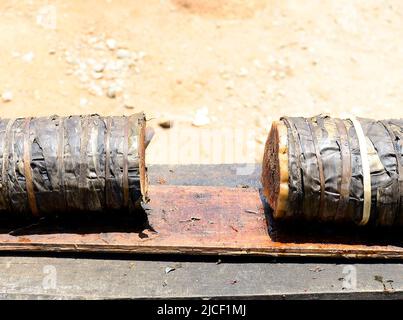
(229, 67)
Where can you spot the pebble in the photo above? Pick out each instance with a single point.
(257, 63)
(225, 76)
(166, 124)
(243, 72)
(99, 67)
(28, 57)
(83, 102)
(169, 269)
(99, 46)
(95, 89)
(70, 60)
(140, 55)
(230, 84)
(201, 117)
(83, 77)
(82, 66)
(128, 106)
(128, 101)
(97, 75)
(123, 54)
(111, 44)
(111, 66)
(7, 96)
(92, 40)
(113, 91)
(104, 73)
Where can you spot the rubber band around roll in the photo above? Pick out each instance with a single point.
(125, 178)
(107, 160)
(29, 186)
(320, 167)
(399, 163)
(346, 169)
(366, 211)
(83, 162)
(142, 164)
(60, 162)
(4, 167)
(297, 182)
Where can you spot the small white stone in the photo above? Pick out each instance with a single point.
(111, 44)
(110, 65)
(141, 55)
(70, 59)
(83, 102)
(97, 75)
(128, 106)
(98, 67)
(201, 117)
(225, 76)
(121, 65)
(123, 54)
(90, 61)
(28, 57)
(243, 72)
(7, 96)
(95, 89)
(260, 139)
(169, 269)
(92, 40)
(82, 66)
(230, 84)
(128, 101)
(113, 91)
(257, 63)
(110, 75)
(99, 46)
(83, 77)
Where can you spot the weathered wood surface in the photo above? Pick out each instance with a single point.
(100, 275)
(135, 278)
(197, 220)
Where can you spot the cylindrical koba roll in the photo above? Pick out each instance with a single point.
(333, 170)
(56, 164)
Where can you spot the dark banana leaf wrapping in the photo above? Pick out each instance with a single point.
(325, 170)
(52, 165)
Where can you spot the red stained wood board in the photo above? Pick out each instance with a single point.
(197, 220)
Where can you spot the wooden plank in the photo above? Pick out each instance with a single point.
(194, 220)
(95, 278)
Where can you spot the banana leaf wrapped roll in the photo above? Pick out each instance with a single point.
(333, 170)
(51, 165)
